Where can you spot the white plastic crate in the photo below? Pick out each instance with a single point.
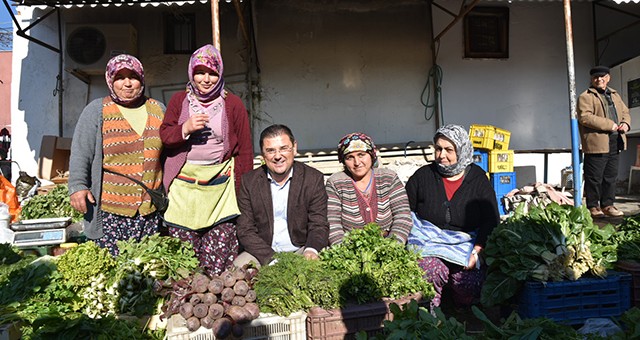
(267, 326)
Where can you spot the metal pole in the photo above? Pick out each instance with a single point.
(215, 24)
(575, 136)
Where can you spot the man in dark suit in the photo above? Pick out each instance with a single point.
(283, 204)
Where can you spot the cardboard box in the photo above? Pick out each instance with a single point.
(54, 156)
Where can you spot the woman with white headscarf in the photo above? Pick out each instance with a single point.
(453, 199)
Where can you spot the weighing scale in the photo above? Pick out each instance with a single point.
(40, 232)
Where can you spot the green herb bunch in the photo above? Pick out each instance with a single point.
(371, 267)
(56, 203)
(294, 283)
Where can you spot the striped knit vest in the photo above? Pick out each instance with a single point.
(126, 152)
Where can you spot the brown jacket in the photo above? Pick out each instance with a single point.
(594, 124)
(306, 211)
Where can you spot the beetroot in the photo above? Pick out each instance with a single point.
(216, 285)
(239, 273)
(209, 299)
(193, 324)
(196, 299)
(241, 288)
(250, 296)
(237, 330)
(238, 314)
(200, 310)
(228, 278)
(186, 310)
(207, 322)
(200, 282)
(253, 309)
(238, 301)
(227, 294)
(222, 328)
(215, 311)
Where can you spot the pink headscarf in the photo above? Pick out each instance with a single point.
(115, 65)
(209, 57)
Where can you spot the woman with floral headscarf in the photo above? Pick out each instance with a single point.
(121, 133)
(208, 147)
(453, 201)
(363, 194)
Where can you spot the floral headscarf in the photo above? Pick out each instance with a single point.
(357, 141)
(115, 65)
(464, 150)
(209, 57)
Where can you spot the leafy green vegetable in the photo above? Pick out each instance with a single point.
(628, 237)
(24, 279)
(516, 328)
(79, 326)
(9, 254)
(555, 242)
(294, 283)
(159, 257)
(414, 322)
(56, 203)
(371, 267)
(81, 264)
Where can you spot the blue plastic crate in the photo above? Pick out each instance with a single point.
(572, 302)
(503, 182)
(481, 158)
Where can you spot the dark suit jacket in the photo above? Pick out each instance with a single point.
(306, 211)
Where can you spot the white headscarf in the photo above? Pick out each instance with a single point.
(464, 150)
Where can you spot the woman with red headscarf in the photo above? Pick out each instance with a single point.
(118, 133)
(363, 193)
(208, 147)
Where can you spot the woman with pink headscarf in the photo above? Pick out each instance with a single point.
(208, 147)
(118, 133)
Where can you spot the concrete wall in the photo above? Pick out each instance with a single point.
(329, 68)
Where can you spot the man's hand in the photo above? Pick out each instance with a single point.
(310, 255)
(79, 200)
(623, 128)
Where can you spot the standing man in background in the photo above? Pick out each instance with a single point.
(603, 121)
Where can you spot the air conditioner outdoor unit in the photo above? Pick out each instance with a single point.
(90, 46)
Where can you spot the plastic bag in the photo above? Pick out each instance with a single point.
(9, 197)
(26, 186)
(600, 326)
(6, 235)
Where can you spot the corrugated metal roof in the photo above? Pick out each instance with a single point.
(103, 3)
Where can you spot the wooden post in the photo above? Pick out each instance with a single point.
(215, 24)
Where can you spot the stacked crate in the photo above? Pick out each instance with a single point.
(491, 152)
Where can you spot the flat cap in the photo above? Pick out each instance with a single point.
(599, 71)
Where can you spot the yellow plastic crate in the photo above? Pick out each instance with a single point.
(482, 136)
(500, 161)
(501, 139)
